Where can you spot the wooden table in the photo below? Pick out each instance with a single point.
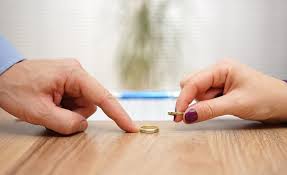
(221, 146)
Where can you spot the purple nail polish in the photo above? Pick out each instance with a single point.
(190, 116)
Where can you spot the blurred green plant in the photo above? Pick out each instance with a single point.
(140, 47)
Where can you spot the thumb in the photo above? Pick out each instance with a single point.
(65, 121)
(208, 109)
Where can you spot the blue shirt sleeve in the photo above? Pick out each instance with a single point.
(8, 55)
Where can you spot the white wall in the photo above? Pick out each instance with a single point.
(252, 31)
(87, 30)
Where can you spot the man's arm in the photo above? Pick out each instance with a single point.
(8, 55)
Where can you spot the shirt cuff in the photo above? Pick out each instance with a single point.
(8, 55)
(10, 63)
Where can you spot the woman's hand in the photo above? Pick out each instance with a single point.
(232, 88)
(57, 94)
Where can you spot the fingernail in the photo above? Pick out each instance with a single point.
(190, 116)
(83, 125)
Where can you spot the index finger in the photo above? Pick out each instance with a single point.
(200, 83)
(92, 90)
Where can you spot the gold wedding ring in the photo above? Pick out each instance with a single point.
(149, 129)
(175, 113)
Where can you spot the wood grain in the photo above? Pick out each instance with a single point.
(221, 146)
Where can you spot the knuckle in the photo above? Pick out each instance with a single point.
(220, 75)
(106, 98)
(42, 114)
(207, 110)
(74, 62)
(75, 74)
(226, 61)
(182, 83)
(75, 71)
(184, 80)
(225, 64)
(193, 85)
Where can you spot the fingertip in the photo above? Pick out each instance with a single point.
(73, 127)
(75, 123)
(190, 115)
(127, 125)
(184, 99)
(135, 129)
(177, 119)
(65, 122)
(131, 129)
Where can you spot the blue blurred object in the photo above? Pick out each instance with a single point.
(147, 95)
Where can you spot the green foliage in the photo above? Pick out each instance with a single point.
(140, 48)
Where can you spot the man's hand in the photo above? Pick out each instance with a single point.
(57, 94)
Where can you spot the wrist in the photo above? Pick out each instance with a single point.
(5, 78)
(281, 102)
(9, 65)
